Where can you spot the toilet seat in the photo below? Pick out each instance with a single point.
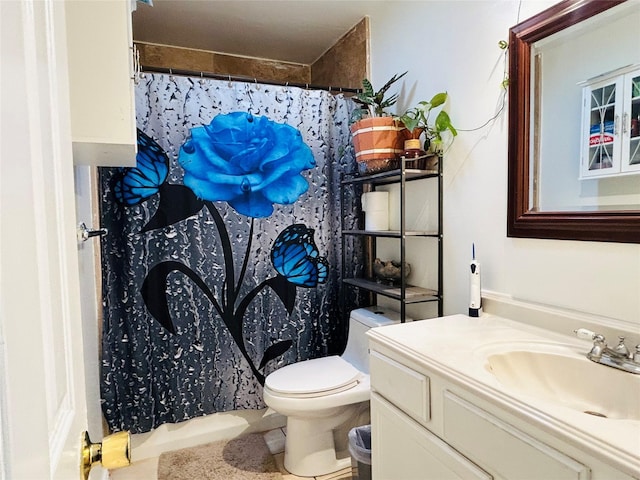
(314, 378)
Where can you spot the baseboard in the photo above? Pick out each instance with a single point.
(99, 473)
(201, 430)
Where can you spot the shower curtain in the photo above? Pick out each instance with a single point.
(222, 261)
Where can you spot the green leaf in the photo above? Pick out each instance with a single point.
(443, 122)
(393, 80)
(410, 122)
(438, 99)
(389, 101)
(363, 99)
(367, 89)
(357, 114)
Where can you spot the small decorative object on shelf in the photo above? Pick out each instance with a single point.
(412, 148)
(416, 121)
(389, 271)
(377, 136)
(377, 165)
(427, 161)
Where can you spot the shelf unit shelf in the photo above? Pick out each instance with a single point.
(413, 294)
(405, 293)
(390, 233)
(391, 176)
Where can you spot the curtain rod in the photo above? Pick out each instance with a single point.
(237, 78)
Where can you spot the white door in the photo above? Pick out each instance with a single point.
(42, 392)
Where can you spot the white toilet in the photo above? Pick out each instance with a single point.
(323, 398)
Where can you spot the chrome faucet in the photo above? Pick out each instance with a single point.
(618, 357)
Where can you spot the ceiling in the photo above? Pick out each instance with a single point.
(298, 31)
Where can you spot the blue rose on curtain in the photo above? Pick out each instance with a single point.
(251, 163)
(248, 161)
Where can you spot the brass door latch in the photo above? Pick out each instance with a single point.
(113, 452)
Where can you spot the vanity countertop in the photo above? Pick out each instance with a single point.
(457, 347)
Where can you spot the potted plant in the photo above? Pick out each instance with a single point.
(378, 138)
(416, 120)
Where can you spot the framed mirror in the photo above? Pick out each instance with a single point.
(574, 159)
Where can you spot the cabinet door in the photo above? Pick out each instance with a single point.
(401, 448)
(631, 123)
(601, 128)
(503, 448)
(101, 94)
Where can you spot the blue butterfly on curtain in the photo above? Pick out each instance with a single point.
(294, 255)
(134, 185)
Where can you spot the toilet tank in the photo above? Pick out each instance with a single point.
(361, 320)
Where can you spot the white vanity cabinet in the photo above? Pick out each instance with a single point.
(429, 426)
(99, 47)
(611, 125)
(412, 452)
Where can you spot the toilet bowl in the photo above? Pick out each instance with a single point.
(323, 398)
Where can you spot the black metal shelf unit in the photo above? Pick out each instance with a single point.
(404, 292)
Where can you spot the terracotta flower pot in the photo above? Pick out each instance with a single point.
(378, 138)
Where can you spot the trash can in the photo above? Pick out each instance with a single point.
(360, 449)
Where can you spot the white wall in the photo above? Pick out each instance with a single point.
(90, 303)
(453, 46)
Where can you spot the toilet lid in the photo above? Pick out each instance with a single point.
(320, 376)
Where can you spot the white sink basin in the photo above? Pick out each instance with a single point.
(566, 378)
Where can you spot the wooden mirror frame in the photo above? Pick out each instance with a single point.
(601, 226)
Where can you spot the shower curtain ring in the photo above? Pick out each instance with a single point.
(201, 78)
(255, 80)
(171, 75)
(230, 84)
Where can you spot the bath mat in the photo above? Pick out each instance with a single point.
(244, 458)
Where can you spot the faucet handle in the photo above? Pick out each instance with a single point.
(621, 349)
(586, 334)
(599, 343)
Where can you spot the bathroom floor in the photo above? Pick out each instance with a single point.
(146, 469)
